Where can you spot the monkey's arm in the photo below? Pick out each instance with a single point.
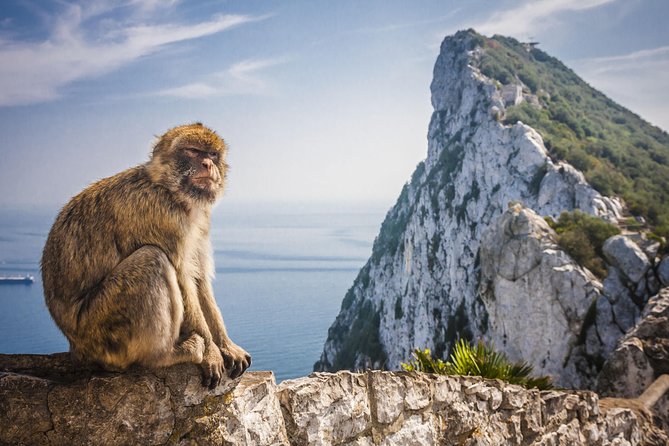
(237, 360)
(195, 321)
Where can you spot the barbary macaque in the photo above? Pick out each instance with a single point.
(127, 265)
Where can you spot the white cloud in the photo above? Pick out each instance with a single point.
(409, 24)
(243, 77)
(36, 71)
(636, 59)
(637, 80)
(245, 69)
(196, 90)
(150, 5)
(532, 16)
(654, 62)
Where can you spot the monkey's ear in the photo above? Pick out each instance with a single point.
(160, 145)
(198, 123)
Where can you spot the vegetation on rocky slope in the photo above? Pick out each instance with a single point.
(477, 360)
(360, 337)
(619, 153)
(582, 237)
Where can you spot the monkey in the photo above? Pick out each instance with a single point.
(127, 265)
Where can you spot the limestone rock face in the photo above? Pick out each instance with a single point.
(420, 287)
(663, 271)
(632, 278)
(627, 256)
(536, 296)
(641, 356)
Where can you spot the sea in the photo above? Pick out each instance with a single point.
(281, 274)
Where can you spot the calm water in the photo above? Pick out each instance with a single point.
(280, 277)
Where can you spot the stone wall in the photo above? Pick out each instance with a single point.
(47, 400)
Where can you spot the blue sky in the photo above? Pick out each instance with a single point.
(318, 100)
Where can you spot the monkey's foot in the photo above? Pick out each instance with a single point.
(212, 367)
(236, 359)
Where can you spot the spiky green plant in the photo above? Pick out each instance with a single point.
(423, 362)
(477, 360)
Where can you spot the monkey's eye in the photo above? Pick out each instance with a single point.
(192, 152)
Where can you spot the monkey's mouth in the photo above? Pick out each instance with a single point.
(203, 182)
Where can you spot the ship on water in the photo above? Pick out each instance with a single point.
(9, 280)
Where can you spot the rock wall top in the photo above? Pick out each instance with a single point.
(48, 400)
(45, 400)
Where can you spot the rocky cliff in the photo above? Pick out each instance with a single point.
(453, 260)
(640, 357)
(537, 298)
(420, 288)
(46, 400)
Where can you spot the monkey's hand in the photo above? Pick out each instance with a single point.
(212, 366)
(237, 360)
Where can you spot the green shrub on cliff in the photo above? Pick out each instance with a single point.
(477, 360)
(582, 237)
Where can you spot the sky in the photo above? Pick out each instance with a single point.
(319, 101)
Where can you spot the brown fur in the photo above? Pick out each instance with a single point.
(127, 265)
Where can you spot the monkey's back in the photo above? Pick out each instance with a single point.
(97, 229)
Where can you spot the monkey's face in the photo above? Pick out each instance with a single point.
(199, 172)
(190, 160)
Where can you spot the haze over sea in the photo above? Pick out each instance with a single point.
(281, 274)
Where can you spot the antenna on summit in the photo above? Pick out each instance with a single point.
(530, 44)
